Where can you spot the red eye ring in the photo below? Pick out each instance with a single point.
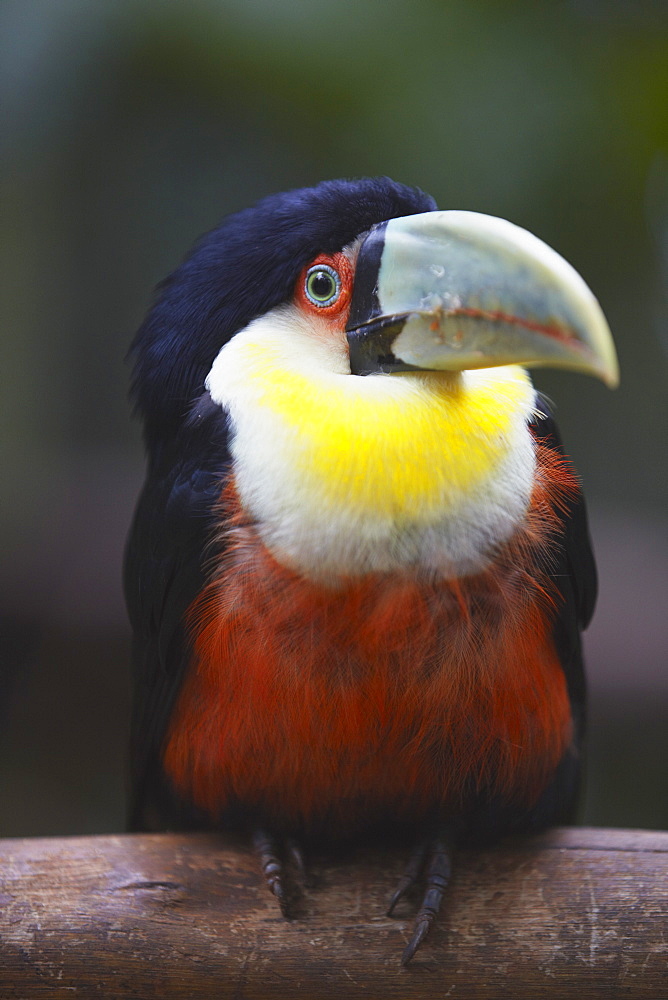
(325, 285)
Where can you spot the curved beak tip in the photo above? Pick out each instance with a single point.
(456, 290)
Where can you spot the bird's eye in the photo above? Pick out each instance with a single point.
(322, 285)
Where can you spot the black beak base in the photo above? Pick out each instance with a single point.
(370, 334)
(370, 347)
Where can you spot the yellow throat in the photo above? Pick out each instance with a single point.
(350, 474)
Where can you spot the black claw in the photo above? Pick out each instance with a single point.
(272, 869)
(295, 852)
(420, 932)
(279, 892)
(297, 856)
(437, 878)
(411, 874)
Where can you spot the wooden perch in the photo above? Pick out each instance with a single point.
(575, 913)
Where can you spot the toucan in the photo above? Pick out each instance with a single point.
(360, 567)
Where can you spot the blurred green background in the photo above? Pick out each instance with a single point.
(131, 126)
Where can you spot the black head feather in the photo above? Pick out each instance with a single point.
(241, 270)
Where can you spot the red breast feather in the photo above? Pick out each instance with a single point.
(320, 705)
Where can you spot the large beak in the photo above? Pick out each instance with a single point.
(456, 290)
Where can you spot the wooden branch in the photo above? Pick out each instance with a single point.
(575, 913)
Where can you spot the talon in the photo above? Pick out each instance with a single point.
(278, 889)
(420, 932)
(272, 869)
(297, 856)
(438, 875)
(399, 893)
(410, 876)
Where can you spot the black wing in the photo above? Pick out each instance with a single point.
(165, 569)
(574, 573)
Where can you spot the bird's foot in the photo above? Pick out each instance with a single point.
(272, 857)
(430, 861)
(295, 852)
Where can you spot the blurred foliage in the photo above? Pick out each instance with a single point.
(131, 126)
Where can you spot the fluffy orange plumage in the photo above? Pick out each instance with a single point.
(321, 705)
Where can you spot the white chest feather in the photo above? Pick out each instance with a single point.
(347, 475)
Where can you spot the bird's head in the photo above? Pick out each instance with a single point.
(394, 283)
(241, 270)
(365, 350)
